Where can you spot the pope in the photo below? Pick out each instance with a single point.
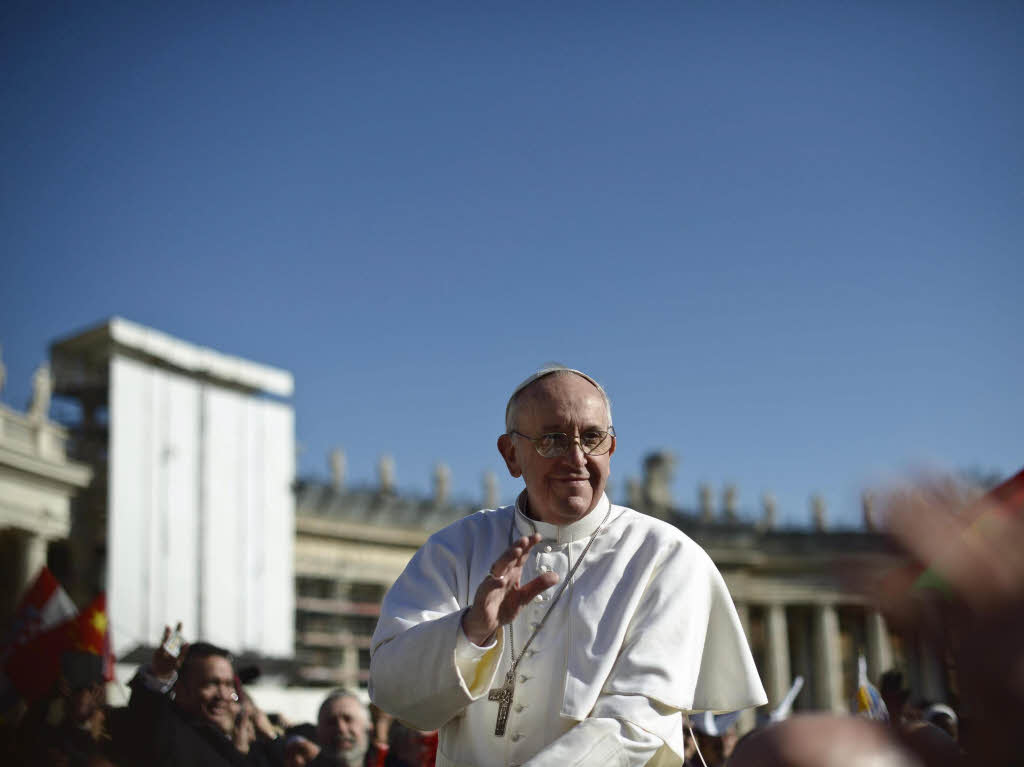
(564, 629)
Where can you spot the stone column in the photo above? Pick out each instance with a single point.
(730, 503)
(33, 558)
(818, 514)
(442, 483)
(386, 474)
(767, 512)
(778, 672)
(747, 719)
(704, 503)
(879, 647)
(490, 490)
(22, 553)
(828, 671)
(339, 465)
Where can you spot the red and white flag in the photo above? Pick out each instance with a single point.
(34, 667)
(46, 604)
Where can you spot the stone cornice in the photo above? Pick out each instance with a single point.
(68, 474)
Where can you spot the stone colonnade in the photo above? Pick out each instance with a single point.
(811, 645)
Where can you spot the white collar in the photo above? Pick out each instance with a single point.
(578, 530)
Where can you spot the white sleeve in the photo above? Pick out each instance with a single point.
(468, 660)
(418, 675)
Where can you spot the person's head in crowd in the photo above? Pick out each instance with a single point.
(894, 695)
(343, 728)
(206, 686)
(933, 746)
(408, 747)
(822, 739)
(943, 717)
(82, 686)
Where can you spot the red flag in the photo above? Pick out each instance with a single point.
(91, 634)
(88, 631)
(35, 666)
(44, 605)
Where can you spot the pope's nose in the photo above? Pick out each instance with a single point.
(575, 454)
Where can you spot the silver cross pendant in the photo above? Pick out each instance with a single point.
(503, 695)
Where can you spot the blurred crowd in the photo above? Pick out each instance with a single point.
(188, 706)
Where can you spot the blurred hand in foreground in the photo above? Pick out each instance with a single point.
(965, 598)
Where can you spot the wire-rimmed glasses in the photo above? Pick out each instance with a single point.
(555, 444)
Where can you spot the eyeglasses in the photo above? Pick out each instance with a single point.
(592, 442)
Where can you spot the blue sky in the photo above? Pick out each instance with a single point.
(786, 237)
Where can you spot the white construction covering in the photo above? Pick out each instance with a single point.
(200, 360)
(201, 513)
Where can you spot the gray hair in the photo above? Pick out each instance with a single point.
(512, 408)
(334, 695)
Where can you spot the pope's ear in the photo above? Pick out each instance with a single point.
(612, 451)
(507, 448)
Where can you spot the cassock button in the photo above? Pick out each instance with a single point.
(547, 549)
(539, 598)
(519, 708)
(523, 678)
(534, 624)
(517, 737)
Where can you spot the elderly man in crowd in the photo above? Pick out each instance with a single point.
(343, 733)
(474, 640)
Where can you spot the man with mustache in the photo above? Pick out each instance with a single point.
(562, 630)
(342, 731)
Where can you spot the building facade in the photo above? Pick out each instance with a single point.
(350, 546)
(38, 482)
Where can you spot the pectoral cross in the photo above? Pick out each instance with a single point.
(503, 695)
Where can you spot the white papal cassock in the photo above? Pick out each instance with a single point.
(645, 630)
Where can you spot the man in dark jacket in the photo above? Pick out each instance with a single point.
(198, 725)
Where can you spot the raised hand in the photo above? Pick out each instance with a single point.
(501, 596)
(163, 663)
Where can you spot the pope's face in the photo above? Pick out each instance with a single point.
(566, 488)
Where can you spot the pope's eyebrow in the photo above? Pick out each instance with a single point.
(561, 429)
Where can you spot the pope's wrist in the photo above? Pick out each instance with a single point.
(476, 635)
